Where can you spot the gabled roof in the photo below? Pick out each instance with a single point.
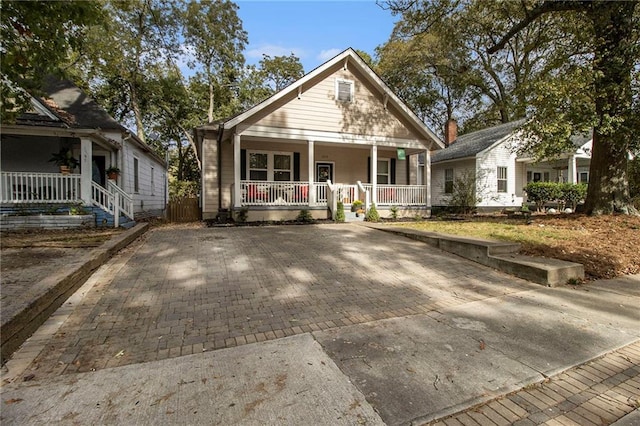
(471, 144)
(65, 105)
(74, 107)
(350, 56)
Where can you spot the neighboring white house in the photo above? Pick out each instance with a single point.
(65, 118)
(500, 174)
(337, 134)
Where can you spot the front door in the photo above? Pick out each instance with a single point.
(324, 172)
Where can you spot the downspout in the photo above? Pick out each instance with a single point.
(220, 132)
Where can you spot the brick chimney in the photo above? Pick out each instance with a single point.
(450, 132)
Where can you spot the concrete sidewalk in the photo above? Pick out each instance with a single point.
(429, 343)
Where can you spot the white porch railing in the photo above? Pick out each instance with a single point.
(274, 193)
(399, 195)
(28, 187)
(122, 200)
(102, 198)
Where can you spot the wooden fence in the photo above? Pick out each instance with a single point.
(183, 210)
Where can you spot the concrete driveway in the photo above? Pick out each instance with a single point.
(418, 331)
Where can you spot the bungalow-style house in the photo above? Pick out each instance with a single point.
(68, 126)
(336, 135)
(500, 174)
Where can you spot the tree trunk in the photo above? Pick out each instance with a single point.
(137, 113)
(211, 100)
(608, 190)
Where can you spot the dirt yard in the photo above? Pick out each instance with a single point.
(608, 246)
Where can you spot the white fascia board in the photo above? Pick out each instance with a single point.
(43, 110)
(331, 137)
(59, 132)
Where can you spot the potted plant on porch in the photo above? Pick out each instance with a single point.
(113, 172)
(65, 160)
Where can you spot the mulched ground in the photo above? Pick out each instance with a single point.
(607, 246)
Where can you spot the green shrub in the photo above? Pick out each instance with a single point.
(372, 215)
(340, 212)
(542, 192)
(304, 216)
(356, 204)
(394, 212)
(572, 194)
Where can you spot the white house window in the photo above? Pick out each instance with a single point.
(383, 172)
(584, 177)
(448, 181)
(344, 90)
(276, 166)
(420, 173)
(153, 180)
(282, 167)
(258, 166)
(136, 175)
(502, 179)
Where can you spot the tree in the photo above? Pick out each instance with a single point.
(280, 71)
(442, 45)
(614, 30)
(135, 36)
(35, 39)
(213, 32)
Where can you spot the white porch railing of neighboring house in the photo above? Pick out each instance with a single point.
(113, 200)
(56, 188)
(39, 188)
(123, 200)
(399, 195)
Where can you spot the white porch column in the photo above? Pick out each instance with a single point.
(374, 175)
(85, 171)
(237, 194)
(427, 176)
(312, 172)
(572, 172)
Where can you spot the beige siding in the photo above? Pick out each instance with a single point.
(210, 175)
(318, 109)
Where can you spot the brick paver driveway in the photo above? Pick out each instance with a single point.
(189, 289)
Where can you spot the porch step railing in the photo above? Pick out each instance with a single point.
(113, 200)
(124, 200)
(399, 195)
(43, 188)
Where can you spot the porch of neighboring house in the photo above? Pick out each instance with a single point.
(275, 180)
(31, 184)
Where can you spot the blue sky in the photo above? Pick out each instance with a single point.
(314, 31)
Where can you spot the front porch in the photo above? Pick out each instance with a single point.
(31, 192)
(277, 200)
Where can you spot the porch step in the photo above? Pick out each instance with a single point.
(350, 216)
(104, 219)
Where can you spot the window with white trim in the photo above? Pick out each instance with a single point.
(448, 181)
(420, 172)
(502, 179)
(153, 180)
(383, 172)
(584, 177)
(136, 175)
(274, 166)
(344, 90)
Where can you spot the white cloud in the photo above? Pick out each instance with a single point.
(327, 54)
(273, 50)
